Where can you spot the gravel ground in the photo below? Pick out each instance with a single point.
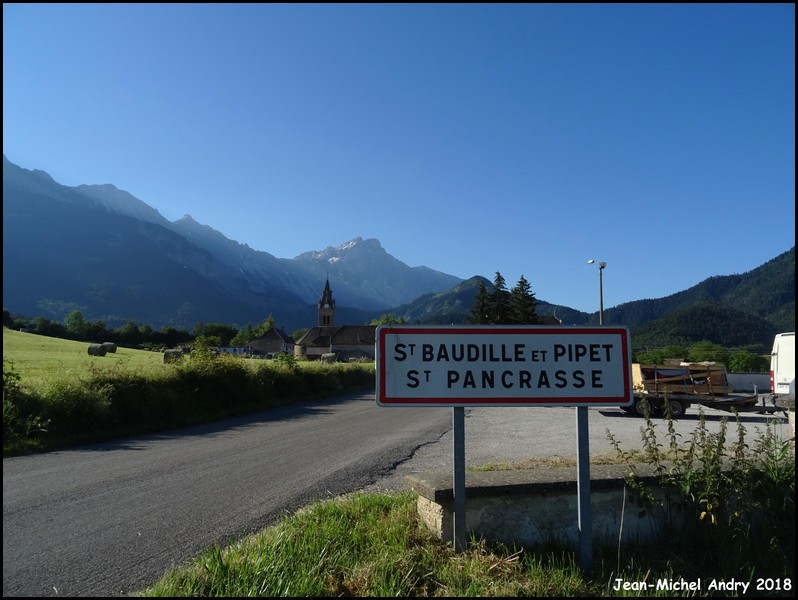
(515, 435)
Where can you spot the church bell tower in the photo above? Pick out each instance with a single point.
(327, 307)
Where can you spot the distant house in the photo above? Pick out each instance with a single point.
(345, 341)
(273, 342)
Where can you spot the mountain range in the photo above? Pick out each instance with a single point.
(100, 250)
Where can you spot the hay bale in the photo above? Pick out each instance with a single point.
(109, 347)
(96, 350)
(172, 355)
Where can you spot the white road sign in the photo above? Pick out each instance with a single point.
(503, 365)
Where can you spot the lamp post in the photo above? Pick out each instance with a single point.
(601, 289)
(584, 516)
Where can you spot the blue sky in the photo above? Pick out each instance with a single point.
(468, 138)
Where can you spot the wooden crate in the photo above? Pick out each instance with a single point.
(703, 379)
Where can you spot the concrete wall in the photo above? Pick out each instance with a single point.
(537, 507)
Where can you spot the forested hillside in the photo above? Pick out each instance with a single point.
(721, 324)
(767, 292)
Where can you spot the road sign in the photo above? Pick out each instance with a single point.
(503, 365)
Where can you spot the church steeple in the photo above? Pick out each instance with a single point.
(326, 306)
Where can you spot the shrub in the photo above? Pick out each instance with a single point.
(76, 407)
(738, 501)
(110, 401)
(12, 425)
(22, 414)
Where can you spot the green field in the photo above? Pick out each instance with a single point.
(55, 394)
(39, 359)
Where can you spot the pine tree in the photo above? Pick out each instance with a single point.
(480, 308)
(499, 301)
(523, 305)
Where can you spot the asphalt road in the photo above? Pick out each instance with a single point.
(109, 519)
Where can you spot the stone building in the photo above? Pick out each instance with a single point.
(275, 341)
(344, 341)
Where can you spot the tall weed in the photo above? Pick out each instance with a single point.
(736, 500)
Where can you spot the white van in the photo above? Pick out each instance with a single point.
(782, 365)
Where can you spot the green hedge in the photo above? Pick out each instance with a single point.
(105, 404)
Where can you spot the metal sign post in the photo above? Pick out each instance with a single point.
(506, 365)
(584, 515)
(458, 483)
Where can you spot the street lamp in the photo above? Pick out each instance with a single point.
(584, 516)
(601, 289)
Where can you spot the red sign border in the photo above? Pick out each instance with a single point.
(384, 330)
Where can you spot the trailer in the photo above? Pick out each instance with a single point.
(680, 385)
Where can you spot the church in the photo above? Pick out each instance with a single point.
(346, 342)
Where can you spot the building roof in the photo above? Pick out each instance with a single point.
(354, 335)
(326, 295)
(318, 336)
(341, 335)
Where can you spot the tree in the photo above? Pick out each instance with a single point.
(224, 333)
(172, 337)
(299, 333)
(146, 332)
(206, 342)
(250, 333)
(129, 335)
(265, 327)
(98, 330)
(47, 327)
(657, 357)
(745, 361)
(389, 319)
(243, 337)
(498, 301)
(480, 309)
(77, 327)
(523, 305)
(707, 351)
